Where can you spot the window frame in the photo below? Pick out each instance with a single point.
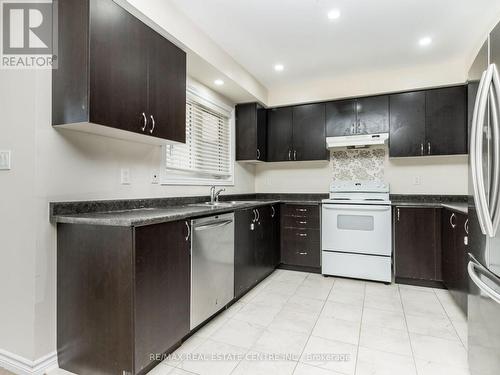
(170, 177)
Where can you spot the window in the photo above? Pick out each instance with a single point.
(206, 158)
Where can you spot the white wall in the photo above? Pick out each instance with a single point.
(438, 175)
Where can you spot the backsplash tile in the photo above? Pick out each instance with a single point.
(361, 164)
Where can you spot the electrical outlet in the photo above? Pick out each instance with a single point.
(155, 178)
(5, 160)
(125, 176)
(417, 180)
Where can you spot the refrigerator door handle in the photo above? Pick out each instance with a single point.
(485, 288)
(495, 107)
(476, 152)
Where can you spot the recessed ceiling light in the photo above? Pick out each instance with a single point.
(279, 67)
(219, 82)
(333, 14)
(425, 41)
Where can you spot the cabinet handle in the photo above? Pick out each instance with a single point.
(273, 213)
(398, 214)
(302, 234)
(145, 121)
(152, 124)
(294, 154)
(289, 154)
(254, 216)
(302, 209)
(258, 215)
(428, 148)
(302, 222)
(302, 253)
(353, 128)
(258, 154)
(466, 226)
(422, 149)
(188, 231)
(453, 225)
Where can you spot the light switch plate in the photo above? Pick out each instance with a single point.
(125, 176)
(5, 160)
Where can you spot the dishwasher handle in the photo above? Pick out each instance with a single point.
(213, 225)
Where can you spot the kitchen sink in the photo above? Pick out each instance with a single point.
(221, 204)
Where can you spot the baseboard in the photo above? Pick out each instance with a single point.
(22, 366)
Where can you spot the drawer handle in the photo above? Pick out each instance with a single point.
(302, 253)
(302, 209)
(302, 222)
(302, 234)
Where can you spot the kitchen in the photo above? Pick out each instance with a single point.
(168, 193)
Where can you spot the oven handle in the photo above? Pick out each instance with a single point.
(356, 208)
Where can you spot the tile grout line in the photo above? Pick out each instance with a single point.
(310, 335)
(408, 331)
(451, 320)
(359, 334)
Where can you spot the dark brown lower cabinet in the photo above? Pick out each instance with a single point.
(256, 246)
(300, 236)
(123, 296)
(417, 245)
(455, 276)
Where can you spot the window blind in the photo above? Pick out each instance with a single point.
(207, 152)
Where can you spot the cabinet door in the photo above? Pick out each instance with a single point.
(372, 115)
(167, 89)
(275, 229)
(462, 277)
(446, 126)
(251, 132)
(263, 245)
(407, 124)
(417, 244)
(340, 118)
(449, 252)
(279, 141)
(118, 67)
(246, 131)
(309, 137)
(244, 259)
(162, 289)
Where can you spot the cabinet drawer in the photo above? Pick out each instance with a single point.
(296, 210)
(311, 222)
(296, 234)
(301, 253)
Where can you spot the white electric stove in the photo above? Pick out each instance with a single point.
(356, 231)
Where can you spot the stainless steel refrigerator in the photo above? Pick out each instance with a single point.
(484, 209)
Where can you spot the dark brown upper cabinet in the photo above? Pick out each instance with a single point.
(368, 115)
(446, 121)
(116, 76)
(309, 133)
(251, 132)
(431, 122)
(280, 134)
(297, 133)
(407, 118)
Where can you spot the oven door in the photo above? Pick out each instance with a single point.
(362, 229)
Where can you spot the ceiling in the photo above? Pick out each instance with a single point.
(369, 35)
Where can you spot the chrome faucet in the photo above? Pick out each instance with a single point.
(214, 194)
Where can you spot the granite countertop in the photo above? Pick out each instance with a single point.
(147, 216)
(457, 203)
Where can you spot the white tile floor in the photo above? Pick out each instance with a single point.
(328, 326)
(376, 329)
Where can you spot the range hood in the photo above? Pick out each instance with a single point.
(357, 141)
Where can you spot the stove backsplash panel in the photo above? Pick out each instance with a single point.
(361, 164)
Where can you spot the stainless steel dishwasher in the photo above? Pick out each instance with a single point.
(212, 266)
